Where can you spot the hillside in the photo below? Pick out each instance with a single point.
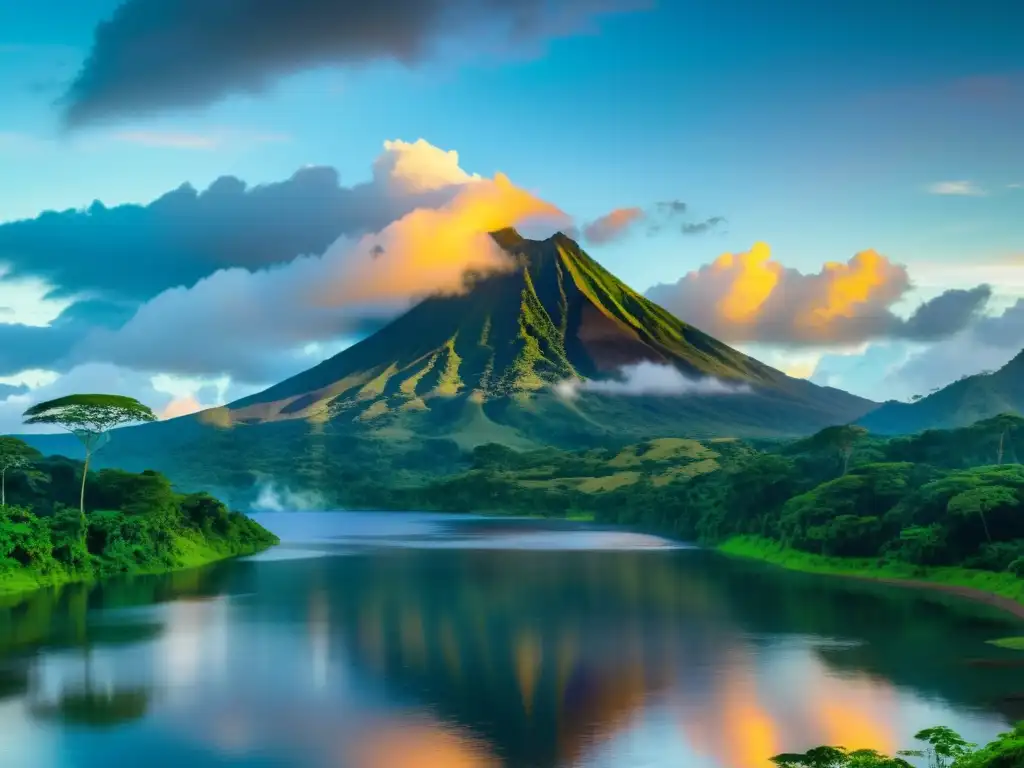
(963, 402)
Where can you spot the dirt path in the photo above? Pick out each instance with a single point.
(970, 593)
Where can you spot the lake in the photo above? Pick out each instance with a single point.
(395, 640)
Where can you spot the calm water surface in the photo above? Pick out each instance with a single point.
(428, 641)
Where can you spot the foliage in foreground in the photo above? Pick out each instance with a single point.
(133, 522)
(943, 747)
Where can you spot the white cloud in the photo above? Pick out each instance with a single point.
(656, 379)
(24, 301)
(961, 187)
(254, 325)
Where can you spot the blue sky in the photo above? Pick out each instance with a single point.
(815, 128)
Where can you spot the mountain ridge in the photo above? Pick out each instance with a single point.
(959, 404)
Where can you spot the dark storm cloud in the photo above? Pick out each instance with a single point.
(137, 251)
(946, 314)
(26, 347)
(157, 54)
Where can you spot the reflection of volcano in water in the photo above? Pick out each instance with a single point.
(481, 658)
(551, 665)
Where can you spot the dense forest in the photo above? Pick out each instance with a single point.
(939, 498)
(129, 523)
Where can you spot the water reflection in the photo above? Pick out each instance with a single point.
(396, 657)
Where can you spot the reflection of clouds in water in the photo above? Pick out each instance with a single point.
(22, 741)
(196, 648)
(555, 541)
(288, 553)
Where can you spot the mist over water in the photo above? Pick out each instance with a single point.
(399, 640)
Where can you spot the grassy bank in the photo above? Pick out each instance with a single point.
(189, 553)
(963, 581)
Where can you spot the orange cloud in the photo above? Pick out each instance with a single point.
(431, 250)
(750, 297)
(613, 225)
(181, 406)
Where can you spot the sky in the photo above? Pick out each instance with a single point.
(200, 198)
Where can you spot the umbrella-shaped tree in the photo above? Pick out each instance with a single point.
(89, 418)
(15, 454)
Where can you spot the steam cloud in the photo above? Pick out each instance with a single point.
(270, 499)
(656, 379)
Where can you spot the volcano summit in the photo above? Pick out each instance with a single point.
(547, 352)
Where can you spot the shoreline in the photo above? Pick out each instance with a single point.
(16, 585)
(957, 582)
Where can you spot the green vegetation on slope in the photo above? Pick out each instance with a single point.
(133, 523)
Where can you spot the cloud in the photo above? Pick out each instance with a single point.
(622, 221)
(964, 188)
(612, 225)
(185, 235)
(654, 379)
(702, 227)
(987, 344)
(199, 141)
(248, 324)
(9, 390)
(153, 55)
(749, 297)
(25, 347)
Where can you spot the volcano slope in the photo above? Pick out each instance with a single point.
(514, 357)
(532, 356)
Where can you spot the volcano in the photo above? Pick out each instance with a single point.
(491, 364)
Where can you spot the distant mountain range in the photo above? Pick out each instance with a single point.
(959, 404)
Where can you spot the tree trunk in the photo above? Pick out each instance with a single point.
(81, 496)
(846, 461)
(999, 456)
(984, 522)
(3, 487)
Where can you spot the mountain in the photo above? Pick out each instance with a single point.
(484, 365)
(959, 404)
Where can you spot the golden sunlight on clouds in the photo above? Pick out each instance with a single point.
(848, 286)
(755, 277)
(431, 250)
(750, 297)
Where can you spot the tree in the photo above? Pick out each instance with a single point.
(89, 418)
(15, 454)
(842, 439)
(1003, 424)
